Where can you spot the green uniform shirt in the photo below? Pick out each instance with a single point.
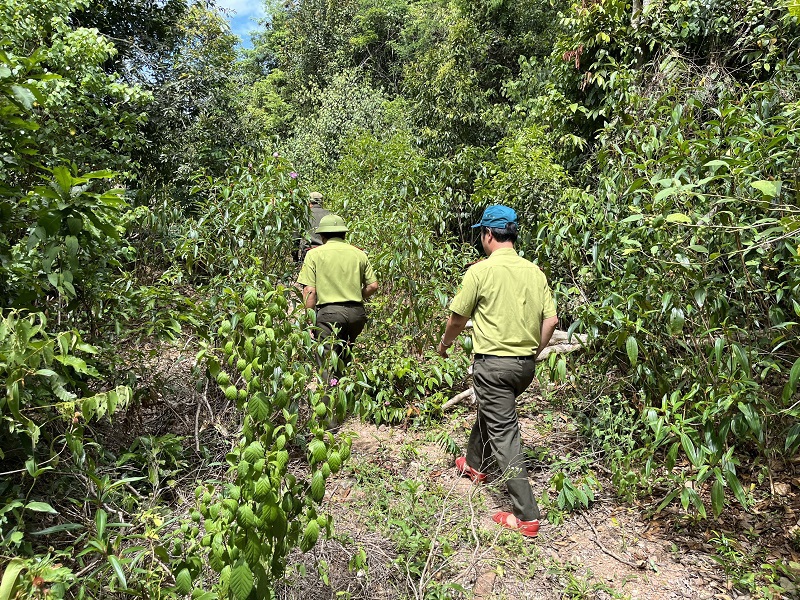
(507, 298)
(338, 271)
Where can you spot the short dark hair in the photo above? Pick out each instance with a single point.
(333, 234)
(507, 234)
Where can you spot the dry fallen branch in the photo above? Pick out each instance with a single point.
(606, 550)
(468, 393)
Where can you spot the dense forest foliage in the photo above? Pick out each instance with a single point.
(153, 181)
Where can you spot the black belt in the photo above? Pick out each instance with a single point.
(481, 356)
(349, 303)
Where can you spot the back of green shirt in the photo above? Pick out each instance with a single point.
(338, 271)
(508, 298)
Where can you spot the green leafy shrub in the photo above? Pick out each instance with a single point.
(84, 114)
(399, 208)
(46, 407)
(401, 386)
(683, 267)
(251, 218)
(267, 365)
(571, 495)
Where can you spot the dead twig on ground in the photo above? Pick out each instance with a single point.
(606, 550)
(197, 419)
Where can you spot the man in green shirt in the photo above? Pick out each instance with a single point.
(513, 317)
(337, 278)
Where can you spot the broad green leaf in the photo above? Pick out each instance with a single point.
(685, 498)
(100, 520)
(104, 174)
(41, 507)
(632, 348)
(62, 394)
(716, 163)
(752, 418)
(672, 456)
(769, 188)
(78, 364)
(736, 487)
(241, 581)
(695, 457)
(719, 345)
(740, 357)
(717, 497)
(23, 95)
(115, 564)
(792, 438)
(676, 321)
(63, 178)
(697, 502)
(582, 497)
(791, 385)
(700, 297)
(183, 581)
(667, 499)
(791, 224)
(678, 218)
(10, 575)
(665, 193)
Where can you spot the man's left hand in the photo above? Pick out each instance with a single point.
(441, 350)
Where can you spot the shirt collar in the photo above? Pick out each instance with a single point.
(503, 252)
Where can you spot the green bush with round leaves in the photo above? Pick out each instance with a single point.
(266, 361)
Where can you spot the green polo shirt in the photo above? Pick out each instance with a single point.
(338, 271)
(508, 298)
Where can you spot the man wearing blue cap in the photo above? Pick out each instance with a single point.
(513, 317)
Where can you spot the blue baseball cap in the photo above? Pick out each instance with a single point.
(497, 217)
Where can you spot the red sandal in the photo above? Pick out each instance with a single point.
(465, 470)
(509, 521)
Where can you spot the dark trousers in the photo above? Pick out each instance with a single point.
(497, 382)
(339, 325)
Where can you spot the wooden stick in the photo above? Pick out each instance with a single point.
(606, 550)
(468, 393)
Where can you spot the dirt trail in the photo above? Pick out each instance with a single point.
(607, 545)
(610, 550)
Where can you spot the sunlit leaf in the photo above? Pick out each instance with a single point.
(632, 348)
(678, 218)
(770, 189)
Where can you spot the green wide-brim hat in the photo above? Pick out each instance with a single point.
(331, 224)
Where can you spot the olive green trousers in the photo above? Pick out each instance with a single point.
(339, 325)
(497, 382)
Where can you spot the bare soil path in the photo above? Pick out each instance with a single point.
(610, 550)
(406, 526)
